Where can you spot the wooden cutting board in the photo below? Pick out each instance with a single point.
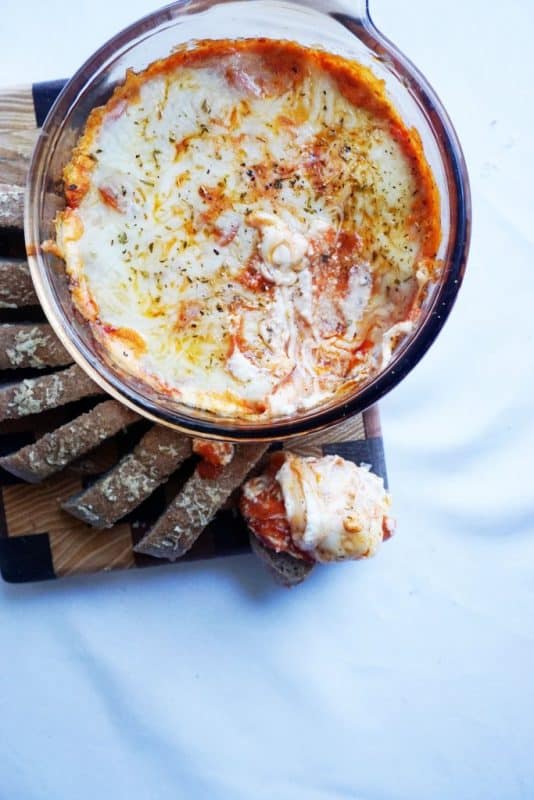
(38, 540)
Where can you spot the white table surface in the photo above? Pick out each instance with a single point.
(410, 676)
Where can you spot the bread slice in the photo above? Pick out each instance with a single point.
(157, 455)
(34, 395)
(53, 451)
(16, 287)
(286, 570)
(31, 346)
(196, 504)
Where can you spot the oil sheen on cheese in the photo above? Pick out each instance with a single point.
(247, 225)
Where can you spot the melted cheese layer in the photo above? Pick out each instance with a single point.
(335, 509)
(246, 221)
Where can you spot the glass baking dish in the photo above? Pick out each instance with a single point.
(339, 27)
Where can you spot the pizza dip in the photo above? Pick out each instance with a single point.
(250, 228)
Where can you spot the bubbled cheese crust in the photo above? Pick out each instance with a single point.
(247, 221)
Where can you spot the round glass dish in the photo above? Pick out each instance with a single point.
(330, 24)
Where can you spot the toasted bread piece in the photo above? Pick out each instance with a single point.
(16, 287)
(11, 206)
(35, 395)
(53, 451)
(196, 504)
(158, 454)
(31, 346)
(286, 570)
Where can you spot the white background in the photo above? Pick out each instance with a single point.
(410, 676)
